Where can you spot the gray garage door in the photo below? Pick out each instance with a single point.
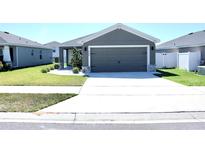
(118, 59)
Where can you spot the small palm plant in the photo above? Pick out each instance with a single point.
(76, 60)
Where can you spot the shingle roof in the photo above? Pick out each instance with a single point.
(80, 41)
(52, 45)
(189, 40)
(74, 43)
(7, 38)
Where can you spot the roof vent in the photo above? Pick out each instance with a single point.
(6, 32)
(191, 33)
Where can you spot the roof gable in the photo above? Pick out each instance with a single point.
(53, 44)
(81, 40)
(123, 27)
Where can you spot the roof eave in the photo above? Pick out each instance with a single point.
(23, 45)
(183, 46)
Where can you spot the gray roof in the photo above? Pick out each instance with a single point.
(7, 38)
(80, 41)
(189, 40)
(52, 45)
(74, 43)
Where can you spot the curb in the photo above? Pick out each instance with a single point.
(106, 118)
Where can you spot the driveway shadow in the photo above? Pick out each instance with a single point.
(165, 74)
(128, 75)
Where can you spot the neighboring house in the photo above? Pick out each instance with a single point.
(55, 46)
(21, 52)
(186, 52)
(118, 48)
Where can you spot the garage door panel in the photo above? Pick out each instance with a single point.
(118, 59)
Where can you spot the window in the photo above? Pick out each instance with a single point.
(54, 51)
(152, 48)
(41, 54)
(85, 48)
(32, 53)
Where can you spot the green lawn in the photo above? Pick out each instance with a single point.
(32, 76)
(29, 102)
(182, 77)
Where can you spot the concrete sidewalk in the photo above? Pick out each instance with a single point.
(40, 89)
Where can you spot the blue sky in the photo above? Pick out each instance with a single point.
(47, 32)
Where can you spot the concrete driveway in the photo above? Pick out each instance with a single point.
(132, 92)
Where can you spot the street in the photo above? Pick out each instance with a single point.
(100, 126)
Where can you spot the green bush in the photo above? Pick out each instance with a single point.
(7, 67)
(44, 70)
(76, 70)
(48, 69)
(56, 66)
(52, 68)
(1, 65)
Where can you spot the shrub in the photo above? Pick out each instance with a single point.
(52, 68)
(44, 70)
(1, 65)
(76, 70)
(56, 66)
(48, 69)
(76, 60)
(7, 66)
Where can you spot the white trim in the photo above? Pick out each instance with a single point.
(119, 46)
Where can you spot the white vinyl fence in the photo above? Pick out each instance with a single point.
(166, 60)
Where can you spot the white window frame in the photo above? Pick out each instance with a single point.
(119, 46)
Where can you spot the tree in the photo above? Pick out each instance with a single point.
(76, 60)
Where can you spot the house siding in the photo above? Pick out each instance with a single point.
(167, 50)
(118, 37)
(25, 57)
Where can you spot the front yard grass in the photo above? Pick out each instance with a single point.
(182, 77)
(29, 102)
(32, 76)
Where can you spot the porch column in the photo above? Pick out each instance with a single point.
(6, 54)
(67, 56)
(61, 58)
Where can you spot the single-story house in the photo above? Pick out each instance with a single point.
(118, 48)
(21, 52)
(186, 52)
(54, 45)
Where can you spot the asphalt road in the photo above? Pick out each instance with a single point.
(79, 126)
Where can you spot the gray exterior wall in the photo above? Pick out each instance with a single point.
(25, 57)
(119, 37)
(166, 50)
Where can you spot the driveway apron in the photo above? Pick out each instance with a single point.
(135, 92)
